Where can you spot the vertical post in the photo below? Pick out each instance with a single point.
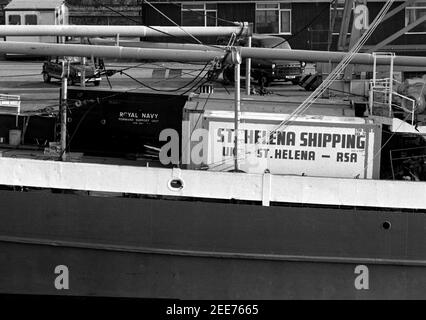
(237, 111)
(83, 73)
(248, 69)
(63, 109)
(83, 70)
(391, 84)
(374, 68)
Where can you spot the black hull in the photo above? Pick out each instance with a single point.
(152, 248)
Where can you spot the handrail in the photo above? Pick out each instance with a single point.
(385, 90)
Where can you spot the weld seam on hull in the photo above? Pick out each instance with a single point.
(210, 254)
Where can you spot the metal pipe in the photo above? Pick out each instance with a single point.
(326, 56)
(237, 79)
(78, 50)
(125, 31)
(83, 70)
(63, 109)
(83, 73)
(390, 85)
(36, 48)
(248, 69)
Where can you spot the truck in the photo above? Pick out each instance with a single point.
(265, 71)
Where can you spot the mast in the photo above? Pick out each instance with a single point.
(205, 55)
(243, 29)
(63, 107)
(236, 60)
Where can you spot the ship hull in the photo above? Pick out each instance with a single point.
(159, 248)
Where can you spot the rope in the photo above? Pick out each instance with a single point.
(336, 72)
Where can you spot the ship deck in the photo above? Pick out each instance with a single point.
(31, 152)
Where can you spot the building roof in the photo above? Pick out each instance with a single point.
(33, 5)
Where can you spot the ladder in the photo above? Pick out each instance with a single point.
(382, 89)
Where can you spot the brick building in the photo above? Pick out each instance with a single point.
(98, 12)
(306, 23)
(3, 3)
(105, 12)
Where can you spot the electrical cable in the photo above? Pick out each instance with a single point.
(335, 73)
(345, 61)
(102, 66)
(180, 27)
(168, 90)
(153, 28)
(201, 113)
(133, 20)
(165, 16)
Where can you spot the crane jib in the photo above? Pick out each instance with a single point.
(205, 55)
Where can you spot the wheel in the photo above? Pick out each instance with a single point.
(46, 77)
(228, 75)
(295, 81)
(263, 81)
(96, 83)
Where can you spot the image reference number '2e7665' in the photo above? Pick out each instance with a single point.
(214, 309)
(228, 309)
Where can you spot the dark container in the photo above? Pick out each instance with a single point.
(119, 123)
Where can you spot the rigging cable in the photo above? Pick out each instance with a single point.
(326, 8)
(168, 90)
(180, 27)
(332, 76)
(338, 70)
(153, 28)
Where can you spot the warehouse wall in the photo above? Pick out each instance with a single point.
(315, 36)
(391, 26)
(3, 3)
(92, 12)
(152, 17)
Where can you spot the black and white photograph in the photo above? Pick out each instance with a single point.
(205, 158)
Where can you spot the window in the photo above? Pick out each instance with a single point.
(414, 12)
(199, 15)
(339, 19)
(14, 19)
(285, 17)
(273, 18)
(30, 19)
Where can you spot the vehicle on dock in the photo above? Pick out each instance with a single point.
(265, 71)
(52, 68)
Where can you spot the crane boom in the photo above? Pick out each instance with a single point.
(80, 50)
(244, 29)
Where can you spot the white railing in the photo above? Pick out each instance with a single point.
(412, 102)
(381, 93)
(10, 103)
